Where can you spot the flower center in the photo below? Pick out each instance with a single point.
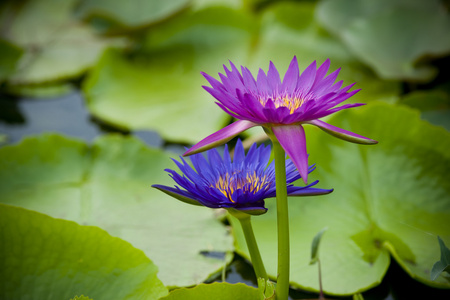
(292, 103)
(249, 183)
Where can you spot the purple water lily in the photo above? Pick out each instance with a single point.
(242, 183)
(281, 107)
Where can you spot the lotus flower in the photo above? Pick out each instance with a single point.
(242, 183)
(281, 107)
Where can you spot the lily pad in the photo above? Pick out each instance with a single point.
(40, 91)
(391, 199)
(55, 45)
(3, 138)
(216, 291)
(289, 29)
(47, 258)
(108, 185)
(161, 89)
(128, 15)
(434, 106)
(82, 297)
(390, 36)
(9, 57)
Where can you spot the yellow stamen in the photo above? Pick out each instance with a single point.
(291, 103)
(227, 184)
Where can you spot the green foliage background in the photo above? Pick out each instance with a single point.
(137, 64)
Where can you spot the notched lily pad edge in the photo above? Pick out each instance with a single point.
(405, 268)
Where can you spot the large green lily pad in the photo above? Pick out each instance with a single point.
(391, 199)
(55, 45)
(390, 36)
(434, 106)
(161, 89)
(46, 258)
(9, 57)
(126, 15)
(289, 29)
(108, 185)
(216, 291)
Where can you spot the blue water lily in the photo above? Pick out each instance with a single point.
(241, 183)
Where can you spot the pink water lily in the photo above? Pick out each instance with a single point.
(281, 107)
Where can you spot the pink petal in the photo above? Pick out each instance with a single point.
(249, 80)
(292, 139)
(306, 80)
(341, 133)
(322, 70)
(291, 77)
(273, 77)
(220, 137)
(262, 84)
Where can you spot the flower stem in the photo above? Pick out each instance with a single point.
(282, 289)
(255, 256)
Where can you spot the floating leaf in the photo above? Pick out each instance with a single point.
(388, 199)
(434, 106)
(3, 138)
(40, 91)
(390, 36)
(127, 15)
(443, 264)
(9, 57)
(289, 29)
(82, 297)
(108, 185)
(56, 45)
(216, 291)
(46, 258)
(161, 90)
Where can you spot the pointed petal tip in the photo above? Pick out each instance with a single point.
(220, 137)
(371, 142)
(292, 139)
(311, 192)
(326, 191)
(175, 193)
(305, 178)
(342, 133)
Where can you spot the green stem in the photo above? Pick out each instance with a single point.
(321, 296)
(282, 289)
(255, 256)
